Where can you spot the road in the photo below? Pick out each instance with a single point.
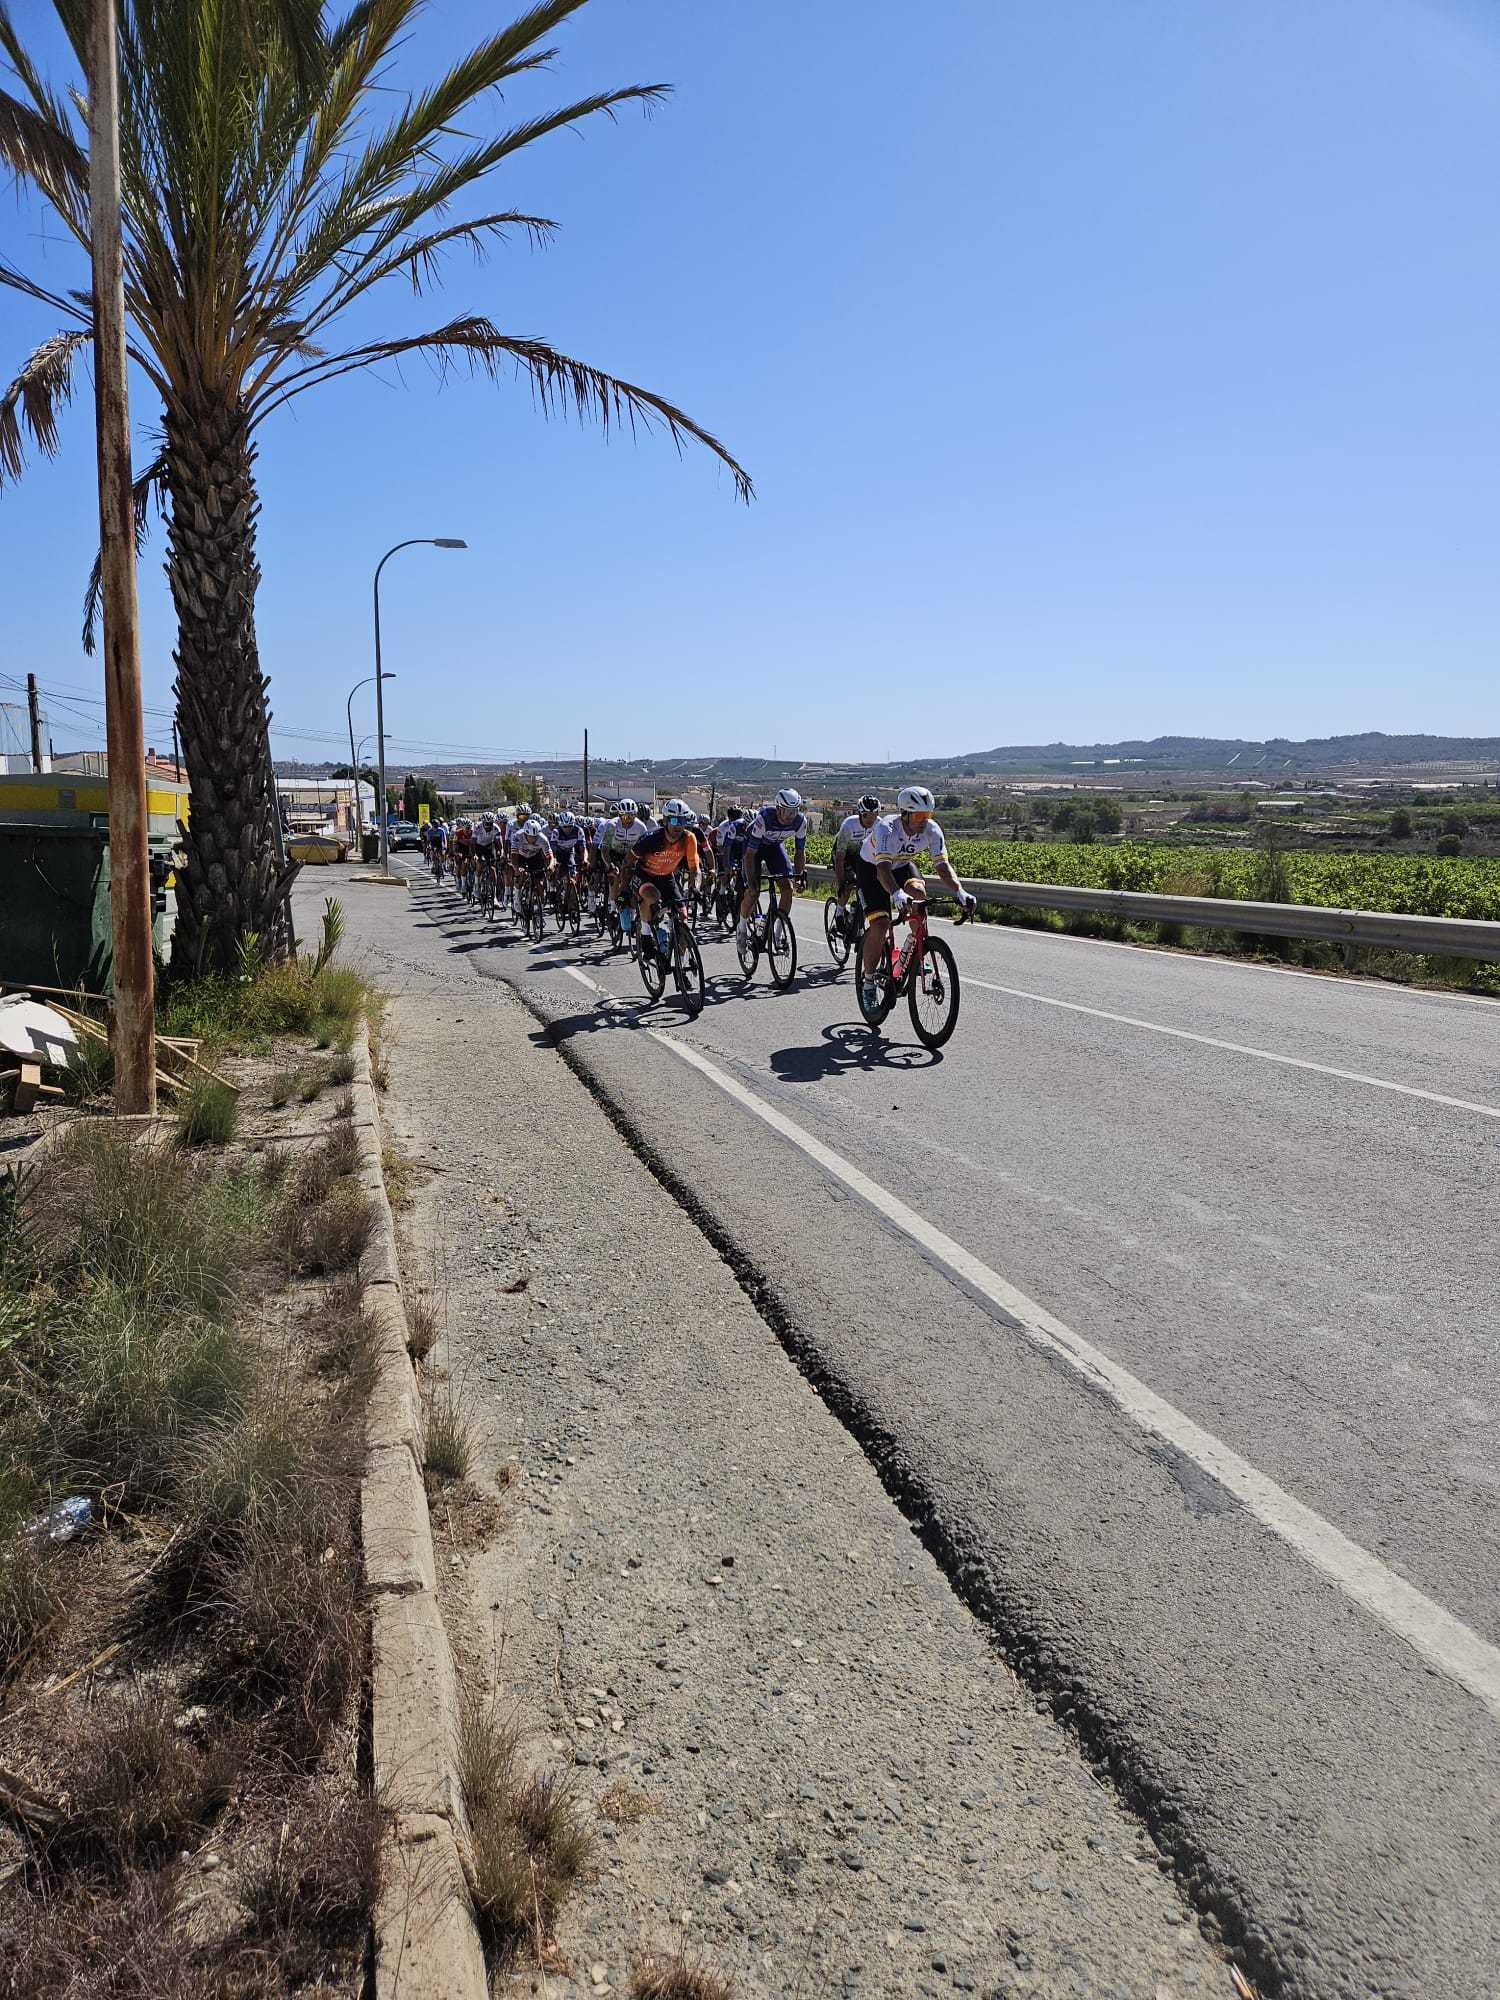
(1166, 1301)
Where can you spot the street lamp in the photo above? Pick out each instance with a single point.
(425, 541)
(353, 759)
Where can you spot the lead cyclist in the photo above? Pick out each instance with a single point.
(889, 877)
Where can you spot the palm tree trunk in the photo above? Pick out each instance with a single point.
(236, 881)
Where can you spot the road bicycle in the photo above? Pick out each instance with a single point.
(486, 890)
(925, 970)
(770, 932)
(533, 908)
(570, 908)
(671, 949)
(844, 929)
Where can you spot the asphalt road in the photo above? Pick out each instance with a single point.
(1167, 1300)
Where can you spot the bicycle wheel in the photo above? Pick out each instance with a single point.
(747, 948)
(689, 973)
(885, 991)
(538, 925)
(932, 995)
(781, 950)
(653, 966)
(834, 932)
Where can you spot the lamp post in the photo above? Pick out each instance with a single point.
(359, 825)
(425, 541)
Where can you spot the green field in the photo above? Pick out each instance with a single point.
(1416, 885)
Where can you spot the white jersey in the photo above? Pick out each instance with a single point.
(851, 833)
(888, 840)
(486, 836)
(529, 841)
(618, 834)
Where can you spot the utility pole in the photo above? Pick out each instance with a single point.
(34, 709)
(585, 771)
(133, 1017)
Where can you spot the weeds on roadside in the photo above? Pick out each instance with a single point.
(528, 1841)
(315, 1889)
(678, 1978)
(282, 1085)
(421, 1328)
(138, 1790)
(341, 1070)
(447, 1441)
(310, 1086)
(207, 1115)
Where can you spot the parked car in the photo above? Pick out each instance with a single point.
(403, 834)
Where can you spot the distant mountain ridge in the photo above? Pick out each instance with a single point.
(1135, 762)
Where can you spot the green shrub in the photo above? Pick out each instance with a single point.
(208, 1114)
(448, 1440)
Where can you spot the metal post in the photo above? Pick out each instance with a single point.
(133, 1016)
(585, 771)
(380, 804)
(414, 541)
(359, 824)
(34, 708)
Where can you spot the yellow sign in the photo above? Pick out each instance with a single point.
(424, 815)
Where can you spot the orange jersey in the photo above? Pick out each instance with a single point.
(665, 850)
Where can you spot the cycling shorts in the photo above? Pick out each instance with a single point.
(666, 886)
(873, 892)
(769, 857)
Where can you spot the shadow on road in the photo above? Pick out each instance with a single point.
(845, 1047)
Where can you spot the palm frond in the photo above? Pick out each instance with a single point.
(79, 304)
(32, 401)
(37, 149)
(561, 384)
(148, 486)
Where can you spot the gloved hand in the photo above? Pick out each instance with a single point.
(899, 901)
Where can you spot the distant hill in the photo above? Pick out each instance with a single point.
(1136, 763)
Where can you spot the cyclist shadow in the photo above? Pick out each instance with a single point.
(847, 1046)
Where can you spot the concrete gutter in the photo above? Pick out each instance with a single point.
(426, 1943)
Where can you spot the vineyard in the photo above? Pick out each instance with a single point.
(1417, 885)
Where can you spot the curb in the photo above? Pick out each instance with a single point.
(426, 1943)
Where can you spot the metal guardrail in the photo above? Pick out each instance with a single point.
(1457, 937)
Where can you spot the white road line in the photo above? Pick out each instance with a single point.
(1442, 1640)
(1233, 1048)
(1242, 1049)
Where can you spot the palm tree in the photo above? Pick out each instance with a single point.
(266, 187)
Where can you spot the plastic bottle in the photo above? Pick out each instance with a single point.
(61, 1523)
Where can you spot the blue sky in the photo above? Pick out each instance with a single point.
(1105, 367)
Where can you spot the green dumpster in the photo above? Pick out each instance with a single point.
(54, 904)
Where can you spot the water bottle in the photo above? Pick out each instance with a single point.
(61, 1523)
(627, 918)
(663, 939)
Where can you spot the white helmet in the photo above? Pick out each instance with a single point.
(791, 800)
(629, 808)
(915, 799)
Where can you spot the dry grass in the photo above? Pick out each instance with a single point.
(328, 1237)
(343, 1106)
(529, 1844)
(678, 1978)
(348, 1335)
(314, 1889)
(138, 1791)
(422, 1328)
(275, 1166)
(310, 1086)
(341, 1147)
(282, 1085)
(447, 1440)
(622, 1805)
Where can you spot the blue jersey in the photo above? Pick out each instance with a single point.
(767, 829)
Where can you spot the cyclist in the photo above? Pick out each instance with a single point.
(488, 845)
(463, 854)
(846, 845)
(438, 845)
(424, 837)
(568, 843)
(531, 854)
(780, 821)
(671, 844)
(621, 837)
(889, 877)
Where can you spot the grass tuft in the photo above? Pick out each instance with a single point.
(527, 1838)
(138, 1790)
(341, 1148)
(275, 1166)
(421, 1328)
(340, 1070)
(207, 1115)
(448, 1440)
(315, 1888)
(337, 1233)
(678, 1978)
(344, 1105)
(310, 1086)
(282, 1085)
